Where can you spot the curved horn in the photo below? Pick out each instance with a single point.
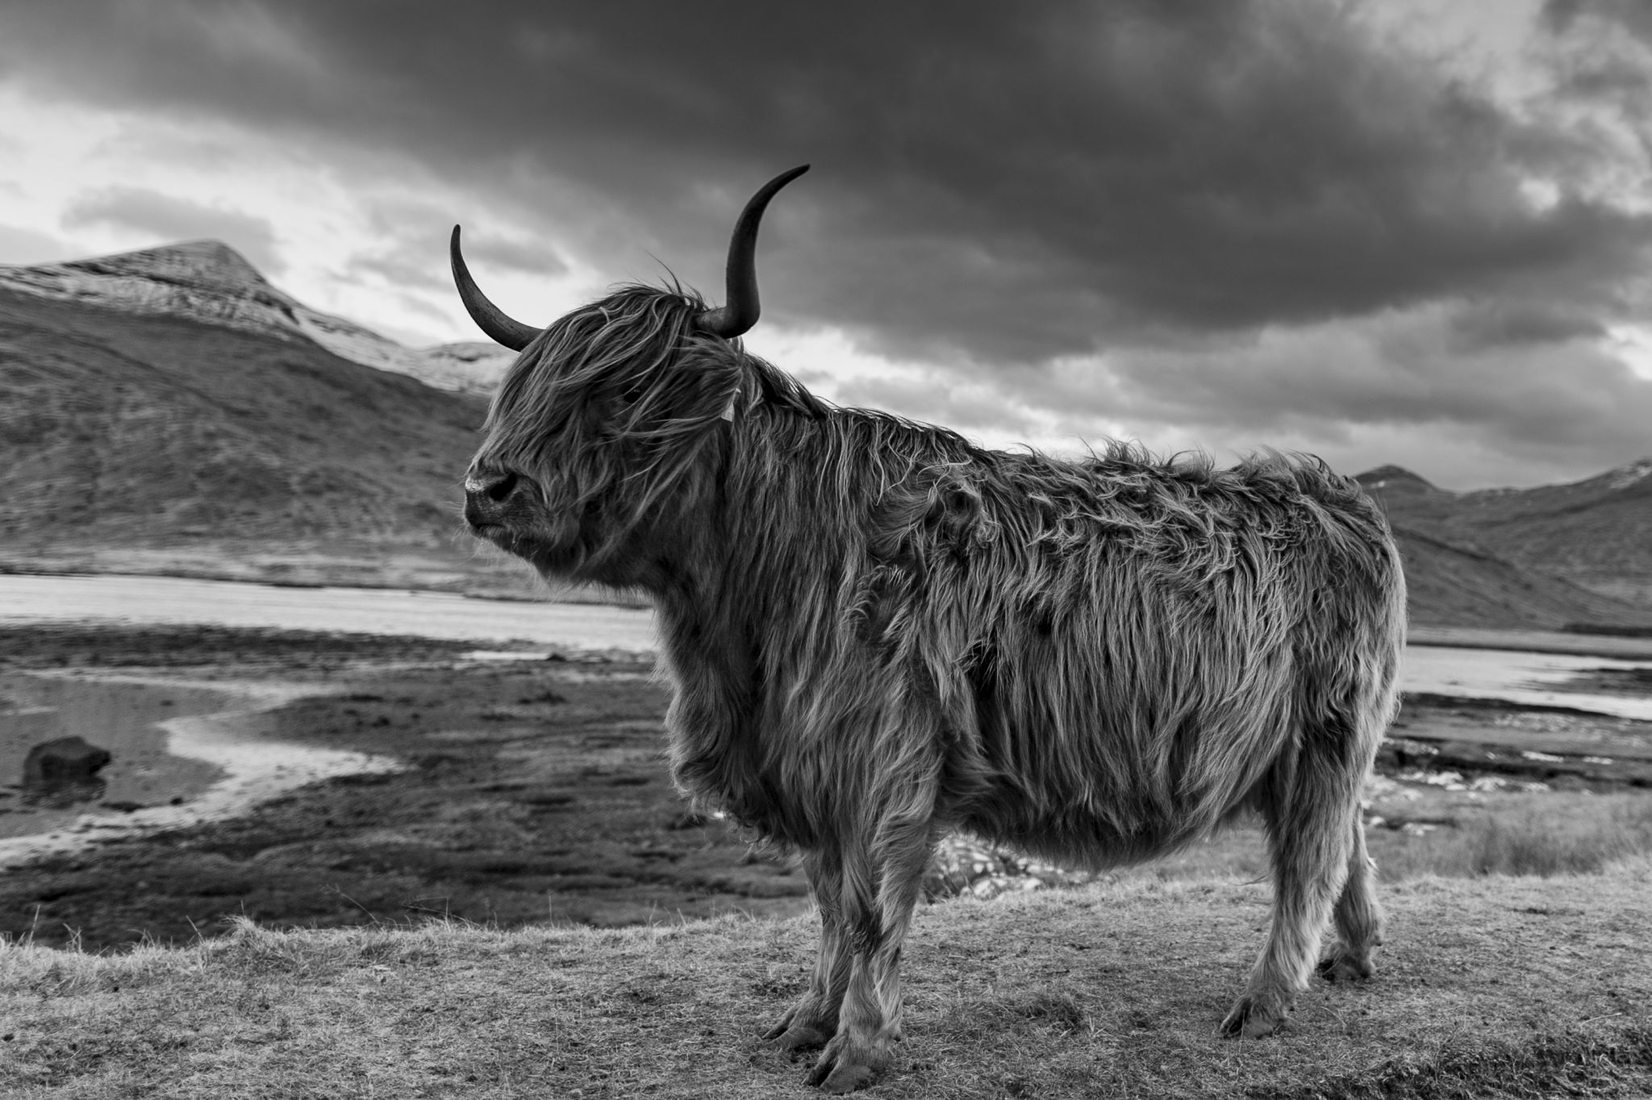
(488, 317)
(740, 308)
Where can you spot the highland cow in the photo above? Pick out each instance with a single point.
(877, 632)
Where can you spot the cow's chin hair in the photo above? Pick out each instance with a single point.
(551, 547)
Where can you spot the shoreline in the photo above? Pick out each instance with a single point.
(103, 600)
(1559, 642)
(255, 766)
(259, 759)
(585, 602)
(526, 791)
(517, 585)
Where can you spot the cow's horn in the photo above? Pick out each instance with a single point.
(488, 317)
(740, 308)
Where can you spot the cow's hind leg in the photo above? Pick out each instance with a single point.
(882, 875)
(1358, 919)
(813, 1020)
(1310, 804)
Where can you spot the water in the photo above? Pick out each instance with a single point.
(121, 718)
(1534, 678)
(201, 751)
(151, 600)
(183, 752)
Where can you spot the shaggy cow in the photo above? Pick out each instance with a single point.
(878, 632)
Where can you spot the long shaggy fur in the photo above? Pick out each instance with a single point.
(877, 631)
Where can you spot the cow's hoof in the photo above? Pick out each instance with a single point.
(845, 1066)
(1252, 1017)
(800, 1028)
(1342, 965)
(798, 1036)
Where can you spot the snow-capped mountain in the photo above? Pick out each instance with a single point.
(210, 282)
(1631, 474)
(468, 367)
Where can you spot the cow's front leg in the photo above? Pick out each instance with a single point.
(881, 877)
(813, 1020)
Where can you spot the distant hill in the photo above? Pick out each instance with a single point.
(1541, 557)
(170, 411)
(1596, 532)
(173, 439)
(209, 282)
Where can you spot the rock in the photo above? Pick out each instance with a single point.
(64, 771)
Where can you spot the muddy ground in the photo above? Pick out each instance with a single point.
(530, 791)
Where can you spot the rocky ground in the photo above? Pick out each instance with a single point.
(537, 790)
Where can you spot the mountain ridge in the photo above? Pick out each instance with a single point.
(157, 443)
(1594, 534)
(170, 410)
(212, 283)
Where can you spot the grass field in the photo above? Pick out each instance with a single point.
(1493, 987)
(1457, 834)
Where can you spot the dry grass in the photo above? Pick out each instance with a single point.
(1492, 987)
(1530, 835)
(1470, 835)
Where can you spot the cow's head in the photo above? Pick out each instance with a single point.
(594, 435)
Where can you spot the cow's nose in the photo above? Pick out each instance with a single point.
(486, 494)
(496, 487)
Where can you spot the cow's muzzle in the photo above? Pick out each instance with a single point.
(488, 497)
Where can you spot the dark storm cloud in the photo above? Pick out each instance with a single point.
(169, 219)
(1016, 182)
(1634, 16)
(1596, 61)
(1501, 323)
(1463, 393)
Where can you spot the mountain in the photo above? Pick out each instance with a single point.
(210, 282)
(171, 412)
(1596, 532)
(1541, 557)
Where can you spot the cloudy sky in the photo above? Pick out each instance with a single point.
(1409, 231)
